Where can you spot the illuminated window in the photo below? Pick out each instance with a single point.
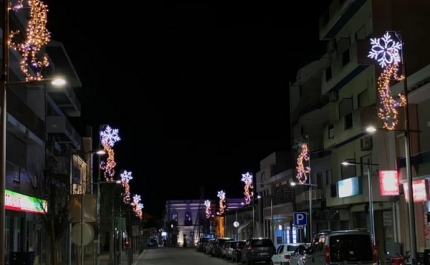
(175, 217)
(188, 219)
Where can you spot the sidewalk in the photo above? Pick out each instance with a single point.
(104, 259)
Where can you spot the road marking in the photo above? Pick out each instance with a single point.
(141, 254)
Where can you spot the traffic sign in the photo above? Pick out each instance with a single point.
(300, 219)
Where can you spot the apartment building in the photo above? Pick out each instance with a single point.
(350, 81)
(39, 137)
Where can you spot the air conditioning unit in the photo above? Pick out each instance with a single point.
(333, 96)
(366, 143)
(331, 46)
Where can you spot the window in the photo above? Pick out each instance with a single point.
(363, 167)
(345, 57)
(175, 217)
(328, 73)
(188, 219)
(348, 121)
(320, 181)
(348, 171)
(330, 131)
(363, 98)
(328, 180)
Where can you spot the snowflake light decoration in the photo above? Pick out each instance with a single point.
(37, 35)
(302, 170)
(386, 52)
(208, 208)
(108, 138)
(249, 193)
(137, 206)
(222, 206)
(125, 178)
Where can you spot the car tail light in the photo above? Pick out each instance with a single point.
(250, 249)
(375, 254)
(327, 254)
(287, 256)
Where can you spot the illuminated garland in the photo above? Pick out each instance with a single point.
(125, 178)
(137, 206)
(108, 138)
(222, 206)
(302, 170)
(249, 193)
(37, 36)
(386, 52)
(208, 208)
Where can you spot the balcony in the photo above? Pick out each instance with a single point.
(23, 122)
(304, 196)
(339, 13)
(60, 127)
(351, 61)
(352, 126)
(65, 97)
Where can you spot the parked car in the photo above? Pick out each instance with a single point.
(300, 254)
(236, 252)
(209, 245)
(346, 246)
(201, 245)
(283, 253)
(226, 249)
(258, 249)
(218, 245)
(152, 242)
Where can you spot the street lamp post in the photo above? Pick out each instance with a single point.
(310, 185)
(371, 209)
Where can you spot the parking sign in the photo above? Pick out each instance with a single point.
(300, 218)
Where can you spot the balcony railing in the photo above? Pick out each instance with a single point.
(304, 196)
(19, 110)
(60, 126)
(352, 125)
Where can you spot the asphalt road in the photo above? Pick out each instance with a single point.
(178, 256)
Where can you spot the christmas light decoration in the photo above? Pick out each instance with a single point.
(137, 206)
(386, 52)
(208, 208)
(249, 193)
(222, 206)
(37, 35)
(125, 178)
(108, 138)
(302, 170)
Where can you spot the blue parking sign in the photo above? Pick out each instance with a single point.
(300, 218)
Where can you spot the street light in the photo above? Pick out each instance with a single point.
(293, 184)
(371, 210)
(408, 165)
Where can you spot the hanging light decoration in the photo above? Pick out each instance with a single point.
(137, 206)
(222, 205)
(108, 138)
(208, 208)
(249, 193)
(125, 179)
(302, 170)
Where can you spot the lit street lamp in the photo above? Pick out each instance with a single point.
(371, 210)
(293, 184)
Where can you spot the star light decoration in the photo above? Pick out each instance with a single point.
(222, 206)
(249, 193)
(36, 36)
(125, 178)
(108, 138)
(386, 52)
(208, 208)
(302, 171)
(137, 206)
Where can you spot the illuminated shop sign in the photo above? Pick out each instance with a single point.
(389, 183)
(19, 202)
(420, 190)
(350, 187)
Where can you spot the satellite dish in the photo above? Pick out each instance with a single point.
(85, 230)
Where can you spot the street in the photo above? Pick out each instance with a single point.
(175, 256)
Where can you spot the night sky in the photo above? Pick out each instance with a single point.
(198, 89)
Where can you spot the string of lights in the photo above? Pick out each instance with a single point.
(37, 35)
(249, 193)
(302, 170)
(208, 208)
(108, 138)
(386, 52)
(222, 206)
(125, 179)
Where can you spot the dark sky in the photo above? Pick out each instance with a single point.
(198, 89)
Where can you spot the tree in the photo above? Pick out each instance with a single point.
(51, 182)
